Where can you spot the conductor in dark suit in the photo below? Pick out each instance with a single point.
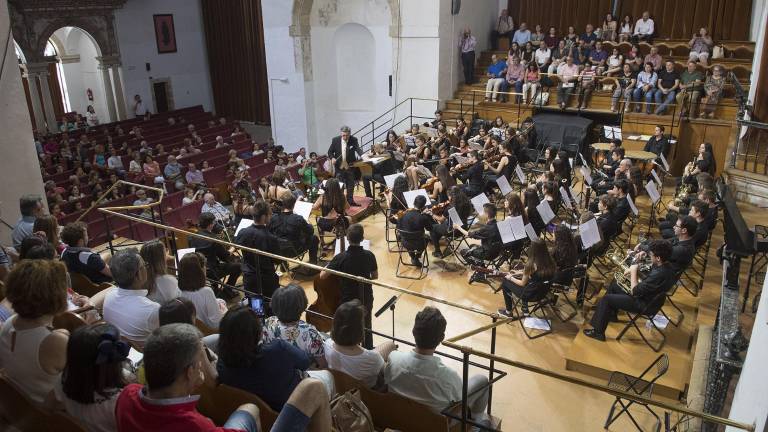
(344, 152)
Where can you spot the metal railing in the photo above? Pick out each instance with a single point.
(466, 351)
(377, 129)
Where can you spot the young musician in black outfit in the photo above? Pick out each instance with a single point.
(359, 262)
(658, 143)
(414, 222)
(489, 236)
(473, 176)
(379, 170)
(442, 226)
(258, 271)
(528, 284)
(293, 232)
(218, 261)
(606, 219)
(660, 279)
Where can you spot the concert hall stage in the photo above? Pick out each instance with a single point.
(632, 356)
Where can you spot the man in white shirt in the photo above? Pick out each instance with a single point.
(216, 208)
(505, 27)
(542, 56)
(138, 107)
(421, 376)
(568, 73)
(522, 35)
(127, 306)
(644, 29)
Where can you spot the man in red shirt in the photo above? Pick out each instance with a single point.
(175, 364)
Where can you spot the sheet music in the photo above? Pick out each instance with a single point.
(504, 185)
(545, 211)
(303, 209)
(518, 227)
(478, 202)
(505, 229)
(453, 217)
(589, 233)
(520, 174)
(530, 232)
(565, 198)
(664, 161)
(574, 195)
(612, 132)
(633, 206)
(656, 176)
(390, 179)
(586, 173)
(653, 193)
(181, 252)
(366, 244)
(410, 196)
(244, 223)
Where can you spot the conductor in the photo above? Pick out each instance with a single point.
(344, 152)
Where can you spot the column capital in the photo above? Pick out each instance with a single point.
(37, 68)
(66, 59)
(107, 62)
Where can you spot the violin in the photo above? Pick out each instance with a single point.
(429, 185)
(439, 209)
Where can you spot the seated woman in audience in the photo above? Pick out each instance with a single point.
(288, 303)
(527, 54)
(537, 36)
(713, 91)
(531, 83)
(701, 44)
(48, 225)
(626, 29)
(93, 377)
(269, 370)
(152, 173)
(160, 285)
(192, 284)
(135, 170)
(343, 351)
(331, 204)
(565, 253)
(514, 51)
(609, 28)
(99, 157)
(571, 38)
(75, 194)
(33, 355)
(528, 284)
(615, 63)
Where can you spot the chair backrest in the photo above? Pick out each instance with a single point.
(390, 410)
(68, 320)
(17, 410)
(219, 402)
(82, 285)
(661, 365)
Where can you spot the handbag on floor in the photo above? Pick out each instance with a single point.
(350, 414)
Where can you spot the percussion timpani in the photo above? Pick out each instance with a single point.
(601, 146)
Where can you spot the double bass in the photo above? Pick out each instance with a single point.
(327, 287)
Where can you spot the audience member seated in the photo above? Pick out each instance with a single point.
(160, 285)
(343, 352)
(514, 78)
(194, 176)
(422, 376)
(271, 371)
(658, 281)
(93, 377)
(192, 286)
(655, 59)
(214, 207)
(522, 35)
(175, 365)
(128, 307)
(701, 44)
(172, 172)
(644, 29)
(567, 73)
(495, 73)
(713, 91)
(79, 258)
(646, 85)
(295, 235)
(668, 83)
(528, 284)
(288, 303)
(33, 355)
(691, 89)
(218, 261)
(31, 207)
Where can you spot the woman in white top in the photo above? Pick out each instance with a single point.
(160, 286)
(615, 63)
(343, 351)
(208, 308)
(626, 29)
(93, 377)
(92, 118)
(32, 354)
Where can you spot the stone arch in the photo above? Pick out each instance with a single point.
(301, 26)
(93, 30)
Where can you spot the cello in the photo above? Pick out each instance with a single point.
(328, 286)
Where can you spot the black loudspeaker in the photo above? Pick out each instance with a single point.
(149, 68)
(455, 7)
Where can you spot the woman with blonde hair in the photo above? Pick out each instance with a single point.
(160, 285)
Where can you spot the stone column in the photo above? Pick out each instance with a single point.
(104, 68)
(34, 96)
(119, 95)
(41, 70)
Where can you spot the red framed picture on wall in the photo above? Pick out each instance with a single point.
(165, 34)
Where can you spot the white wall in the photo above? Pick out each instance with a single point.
(750, 400)
(479, 16)
(344, 34)
(758, 7)
(187, 68)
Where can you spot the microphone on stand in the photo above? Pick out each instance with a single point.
(391, 302)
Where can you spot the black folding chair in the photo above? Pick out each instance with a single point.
(649, 312)
(419, 248)
(536, 305)
(641, 386)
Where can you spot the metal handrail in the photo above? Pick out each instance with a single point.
(371, 128)
(132, 207)
(466, 350)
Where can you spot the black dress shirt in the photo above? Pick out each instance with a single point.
(293, 228)
(215, 253)
(257, 237)
(658, 146)
(359, 262)
(660, 279)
